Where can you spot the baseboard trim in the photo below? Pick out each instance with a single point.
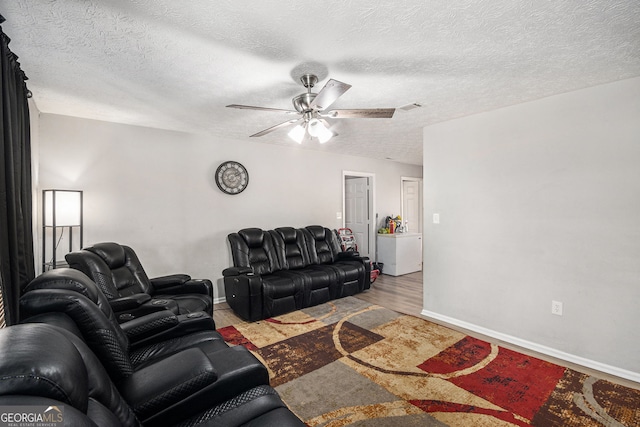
(219, 300)
(588, 363)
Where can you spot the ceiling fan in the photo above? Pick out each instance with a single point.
(312, 107)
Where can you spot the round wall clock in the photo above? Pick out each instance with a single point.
(232, 177)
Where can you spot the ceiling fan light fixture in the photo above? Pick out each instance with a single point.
(324, 134)
(297, 134)
(314, 127)
(317, 129)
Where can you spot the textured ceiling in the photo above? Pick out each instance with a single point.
(176, 64)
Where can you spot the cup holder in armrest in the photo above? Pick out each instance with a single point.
(195, 315)
(125, 317)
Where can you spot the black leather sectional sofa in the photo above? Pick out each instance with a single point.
(286, 269)
(71, 358)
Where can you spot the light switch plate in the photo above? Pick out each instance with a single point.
(436, 218)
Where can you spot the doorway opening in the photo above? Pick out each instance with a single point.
(411, 196)
(358, 206)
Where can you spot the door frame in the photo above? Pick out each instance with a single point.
(372, 206)
(421, 207)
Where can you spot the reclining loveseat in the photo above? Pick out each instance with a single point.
(168, 370)
(119, 274)
(48, 372)
(287, 269)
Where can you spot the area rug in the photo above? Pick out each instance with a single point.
(348, 362)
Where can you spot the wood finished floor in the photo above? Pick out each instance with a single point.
(404, 295)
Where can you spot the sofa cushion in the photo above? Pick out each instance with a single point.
(291, 248)
(253, 247)
(112, 253)
(321, 243)
(24, 369)
(281, 294)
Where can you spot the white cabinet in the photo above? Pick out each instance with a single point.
(401, 253)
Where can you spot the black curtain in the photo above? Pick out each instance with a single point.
(16, 233)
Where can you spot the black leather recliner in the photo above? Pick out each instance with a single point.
(40, 365)
(286, 269)
(131, 367)
(158, 328)
(52, 368)
(118, 272)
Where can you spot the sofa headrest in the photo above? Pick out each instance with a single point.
(288, 234)
(113, 254)
(107, 340)
(65, 278)
(69, 279)
(38, 360)
(317, 232)
(59, 320)
(254, 237)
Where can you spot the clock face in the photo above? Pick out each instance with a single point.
(232, 177)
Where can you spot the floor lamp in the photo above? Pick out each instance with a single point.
(61, 211)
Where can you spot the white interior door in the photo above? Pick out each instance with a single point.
(412, 205)
(357, 208)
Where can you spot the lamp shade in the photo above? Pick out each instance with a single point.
(314, 127)
(62, 208)
(318, 130)
(297, 134)
(324, 134)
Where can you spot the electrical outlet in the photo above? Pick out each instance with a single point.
(556, 308)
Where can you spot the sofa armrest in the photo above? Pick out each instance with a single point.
(149, 325)
(238, 370)
(236, 271)
(192, 286)
(151, 306)
(130, 302)
(348, 255)
(169, 280)
(168, 385)
(244, 295)
(165, 326)
(353, 256)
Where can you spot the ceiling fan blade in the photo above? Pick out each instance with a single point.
(328, 95)
(251, 107)
(276, 127)
(367, 113)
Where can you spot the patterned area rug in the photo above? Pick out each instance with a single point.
(348, 362)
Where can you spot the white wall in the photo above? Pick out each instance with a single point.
(541, 202)
(154, 189)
